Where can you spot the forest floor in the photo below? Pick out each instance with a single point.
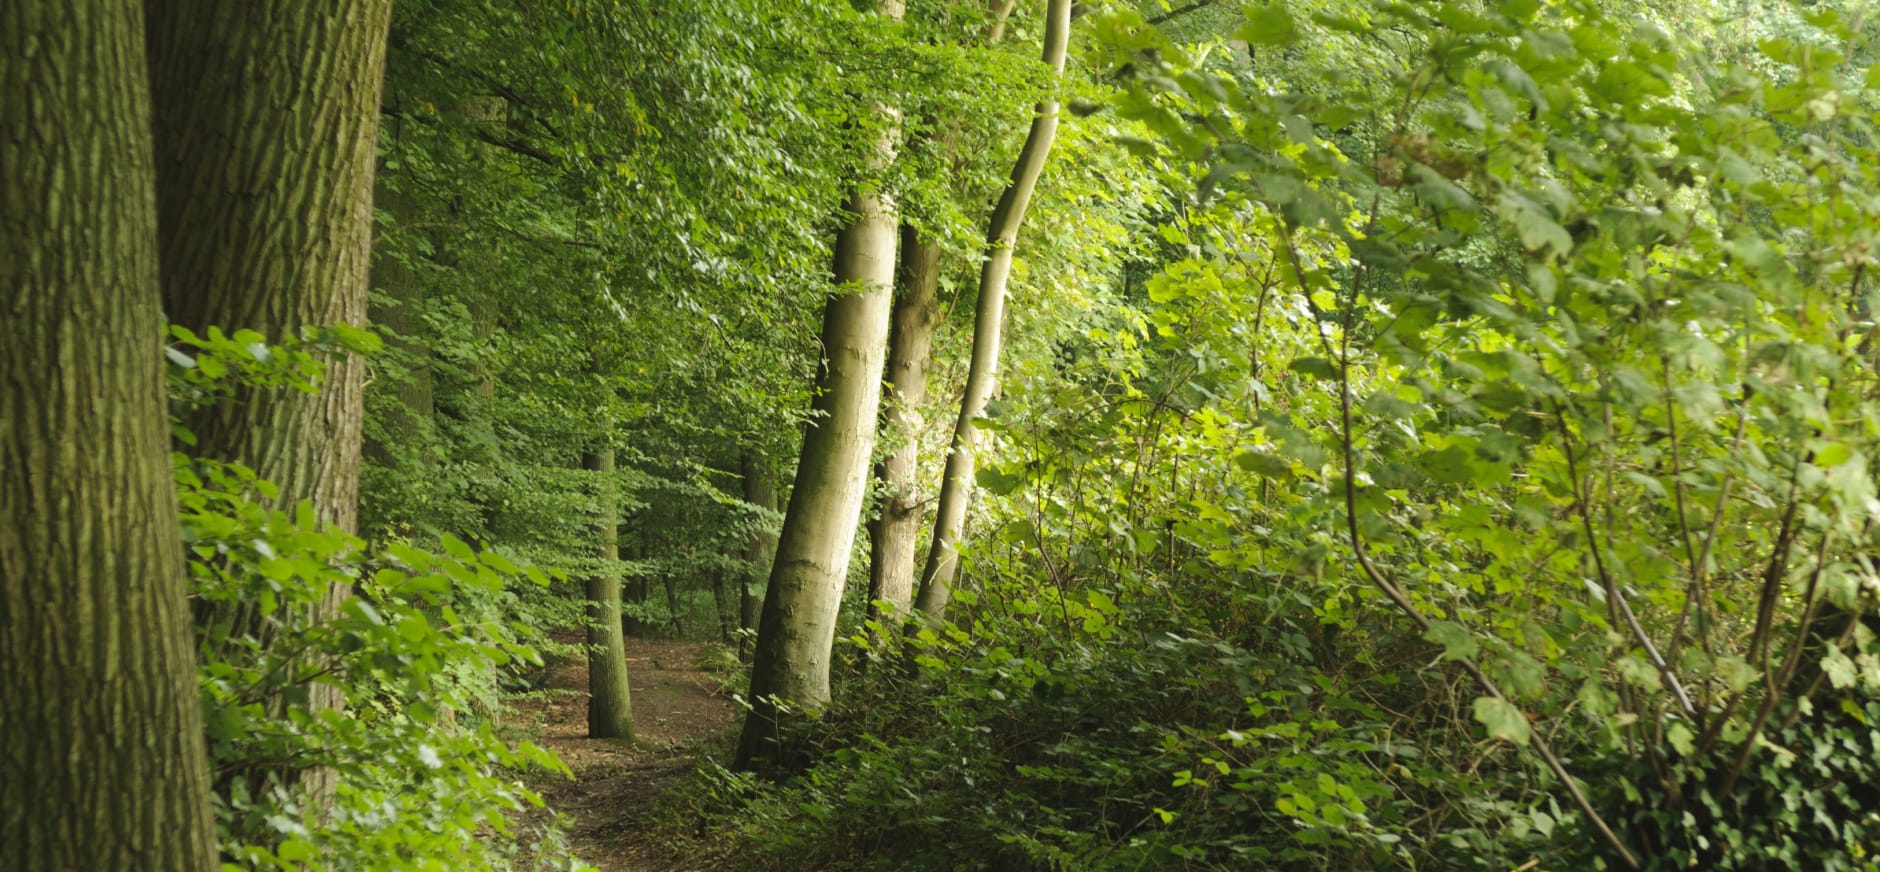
(610, 809)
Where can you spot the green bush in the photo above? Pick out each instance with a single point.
(349, 691)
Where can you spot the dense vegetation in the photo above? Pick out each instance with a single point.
(1108, 435)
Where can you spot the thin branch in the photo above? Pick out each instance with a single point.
(1179, 11)
(1613, 591)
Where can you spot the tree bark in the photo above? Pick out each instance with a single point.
(266, 126)
(895, 533)
(754, 468)
(982, 377)
(102, 763)
(610, 704)
(796, 631)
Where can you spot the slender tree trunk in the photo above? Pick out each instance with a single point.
(896, 532)
(982, 377)
(754, 468)
(796, 631)
(102, 763)
(673, 605)
(639, 585)
(721, 601)
(610, 705)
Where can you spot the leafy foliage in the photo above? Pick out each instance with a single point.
(1497, 407)
(419, 777)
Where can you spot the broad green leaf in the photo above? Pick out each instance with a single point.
(1458, 643)
(1503, 720)
(1268, 24)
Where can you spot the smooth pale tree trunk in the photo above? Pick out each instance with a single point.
(754, 469)
(982, 377)
(895, 533)
(796, 631)
(610, 704)
(102, 763)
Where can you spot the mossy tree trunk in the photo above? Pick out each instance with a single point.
(266, 128)
(266, 120)
(102, 761)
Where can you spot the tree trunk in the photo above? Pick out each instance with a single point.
(896, 532)
(266, 126)
(103, 765)
(637, 586)
(406, 423)
(796, 631)
(610, 705)
(762, 551)
(982, 377)
(673, 605)
(721, 602)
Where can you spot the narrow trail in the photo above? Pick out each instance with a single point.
(609, 807)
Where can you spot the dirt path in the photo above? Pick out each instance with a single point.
(609, 805)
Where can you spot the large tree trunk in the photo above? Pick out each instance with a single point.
(796, 632)
(896, 532)
(266, 125)
(610, 705)
(102, 763)
(982, 377)
(754, 468)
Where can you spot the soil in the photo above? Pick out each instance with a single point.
(610, 809)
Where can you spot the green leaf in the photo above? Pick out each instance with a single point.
(1831, 454)
(455, 547)
(997, 481)
(1525, 675)
(1680, 737)
(1538, 231)
(1735, 673)
(1268, 25)
(1317, 367)
(1458, 643)
(1502, 719)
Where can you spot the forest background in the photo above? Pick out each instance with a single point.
(1113, 435)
